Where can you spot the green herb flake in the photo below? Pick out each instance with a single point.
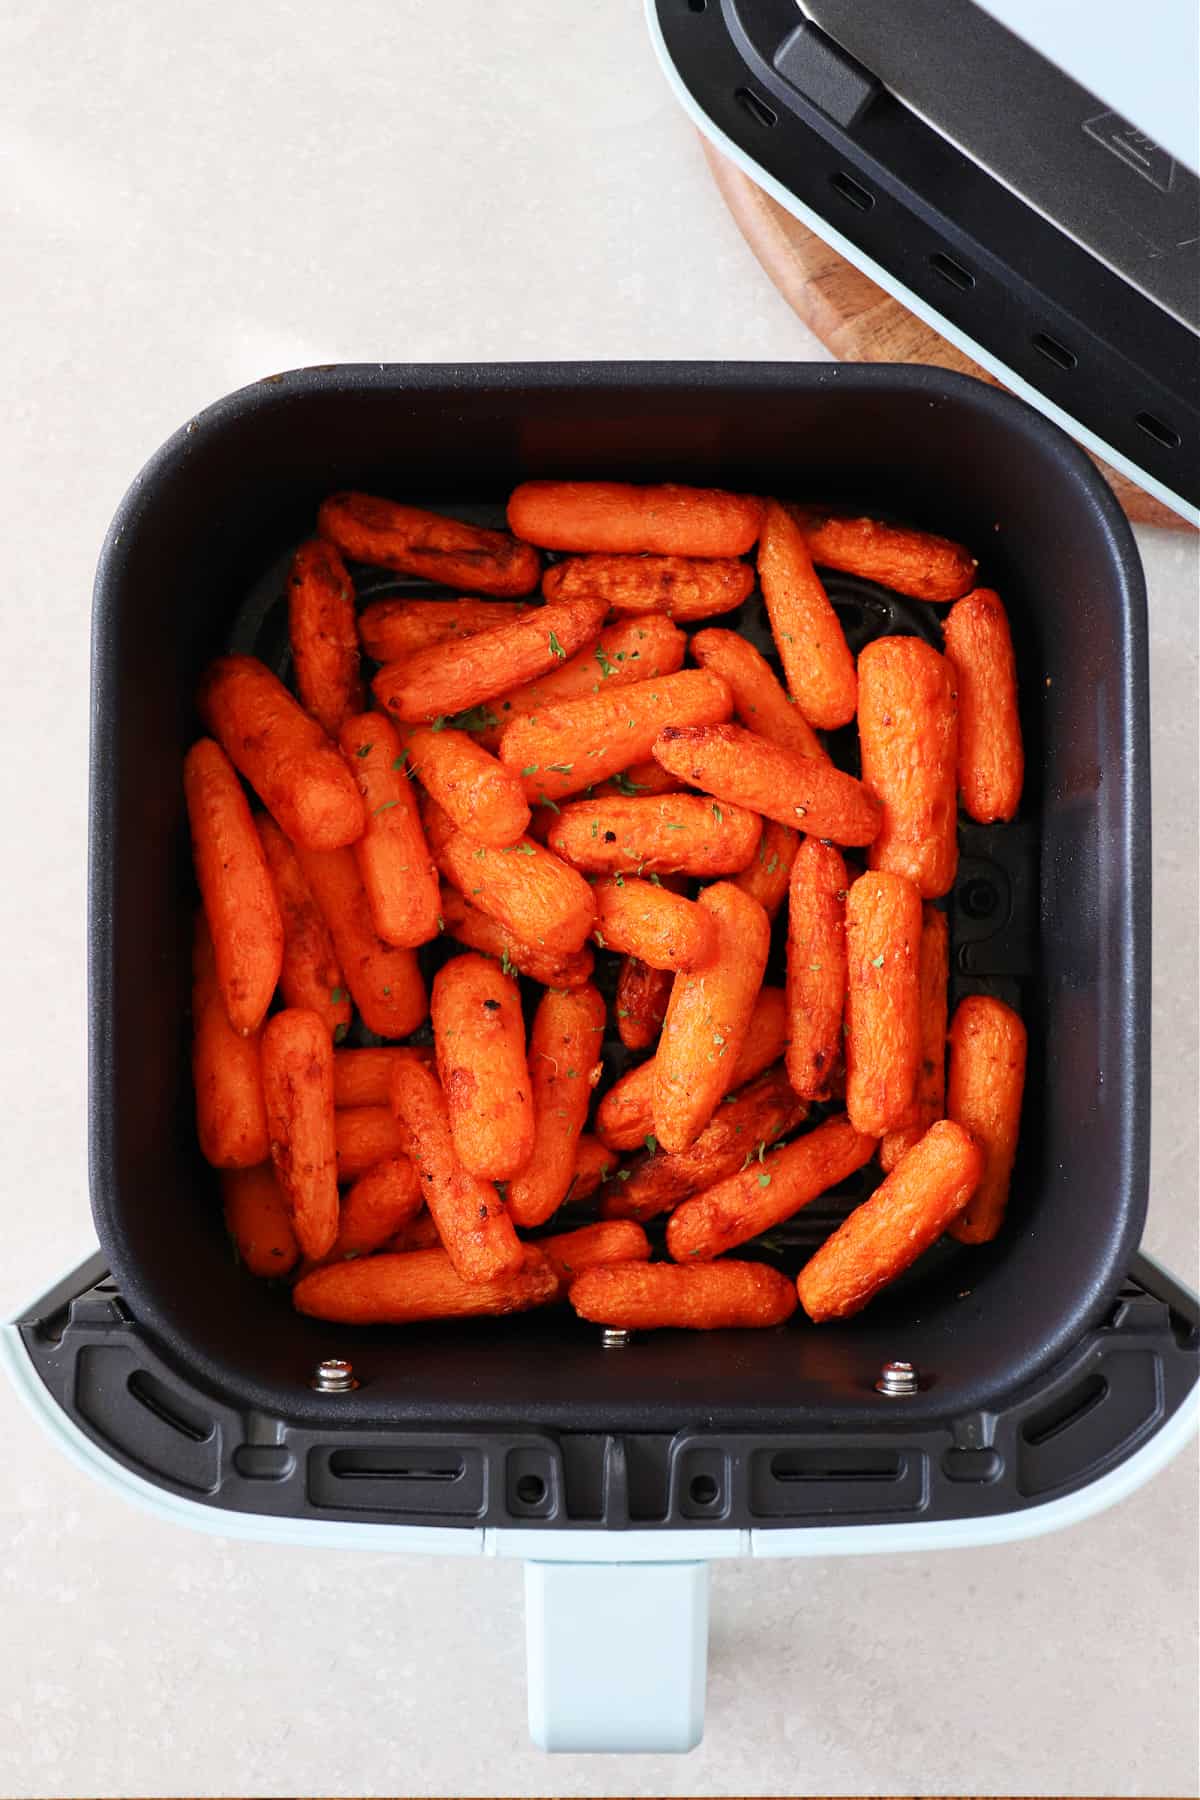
(386, 807)
(595, 828)
(475, 718)
(542, 801)
(440, 723)
(340, 1033)
(764, 1181)
(717, 814)
(387, 993)
(619, 879)
(398, 762)
(623, 784)
(560, 768)
(599, 937)
(481, 852)
(815, 967)
(622, 1012)
(337, 995)
(675, 828)
(651, 1142)
(607, 668)
(557, 648)
(772, 865)
(475, 891)
(571, 1074)
(624, 1174)
(877, 962)
(530, 769)
(526, 850)
(507, 966)
(441, 923)
(364, 750)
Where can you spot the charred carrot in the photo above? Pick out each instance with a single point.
(638, 918)
(625, 1116)
(736, 1137)
(256, 1218)
(760, 702)
(422, 1284)
(619, 518)
(482, 797)
(569, 1253)
(451, 677)
(909, 1211)
(479, 1036)
(365, 1136)
(384, 980)
(678, 834)
(765, 877)
(681, 587)
(393, 629)
(908, 736)
(235, 885)
(991, 756)
(816, 966)
(708, 1017)
(382, 1200)
(645, 778)
(642, 996)
(231, 1119)
(767, 1192)
(917, 563)
(364, 1077)
(742, 769)
(292, 766)
(631, 650)
(393, 858)
(531, 892)
(696, 1297)
(987, 1079)
(323, 635)
(478, 931)
(808, 635)
(594, 1163)
(565, 748)
(930, 1102)
(883, 1004)
(423, 543)
(564, 1067)
(297, 1068)
(311, 975)
(475, 1230)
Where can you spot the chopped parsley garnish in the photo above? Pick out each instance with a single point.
(386, 807)
(557, 648)
(717, 814)
(364, 750)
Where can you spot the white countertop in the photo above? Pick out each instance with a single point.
(200, 193)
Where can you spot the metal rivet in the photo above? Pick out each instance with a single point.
(612, 1339)
(897, 1379)
(333, 1376)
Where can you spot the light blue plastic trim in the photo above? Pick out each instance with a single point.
(915, 304)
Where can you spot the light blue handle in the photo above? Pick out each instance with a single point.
(617, 1655)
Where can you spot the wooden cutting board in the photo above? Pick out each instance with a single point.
(854, 317)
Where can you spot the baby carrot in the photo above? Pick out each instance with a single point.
(364, 1077)
(620, 518)
(423, 543)
(365, 1136)
(393, 629)
(743, 769)
(682, 587)
(528, 890)
(384, 980)
(481, 796)
(311, 975)
(631, 650)
(422, 1284)
(808, 634)
(231, 1119)
(393, 858)
(478, 931)
(816, 966)
(323, 635)
(883, 1004)
(647, 921)
(760, 702)
(642, 995)
(475, 1230)
(297, 1068)
(909, 1211)
(479, 1036)
(594, 1162)
(991, 757)
(908, 736)
(987, 1079)
(256, 1218)
(569, 1253)
(930, 1102)
(694, 1297)
(765, 877)
(382, 1199)
(564, 1067)
(707, 1018)
(292, 766)
(680, 834)
(917, 563)
(235, 885)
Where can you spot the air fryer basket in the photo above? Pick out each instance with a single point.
(1051, 912)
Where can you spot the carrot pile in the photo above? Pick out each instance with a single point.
(541, 773)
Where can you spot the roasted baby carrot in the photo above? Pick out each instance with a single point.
(930, 1101)
(364, 1077)
(707, 1018)
(991, 757)
(883, 1004)
(759, 699)
(564, 1067)
(475, 1230)
(479, 1036)
(678, 834)
(909, 1211)
(448, 678)
(256, 1218)
(393, 629)
(231, 1119)
(641, 1002)
(569, 1253)
(987, 1079)
(625, 1116)
(324, 638)
(364, 1136)
(631, 650)
(766, 1193)
(681, 587)
(295, 770)
(422, 1284)
(917, 563)
(645, 778)
(816, 966)
(735, 1137)
(742, 769)
(393, 858)
(297, 1068)
(808, 634)
(693, 1297)
(311, 975)
(594, 1162)
(638, 918)
(382, 1199)
(565, 748)
(384, 980)
(908, 736)
(474, 789)
(531, 892)
(235, 885)
(478, 931)
(423, 543)
(619, 518)
(765, 877)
